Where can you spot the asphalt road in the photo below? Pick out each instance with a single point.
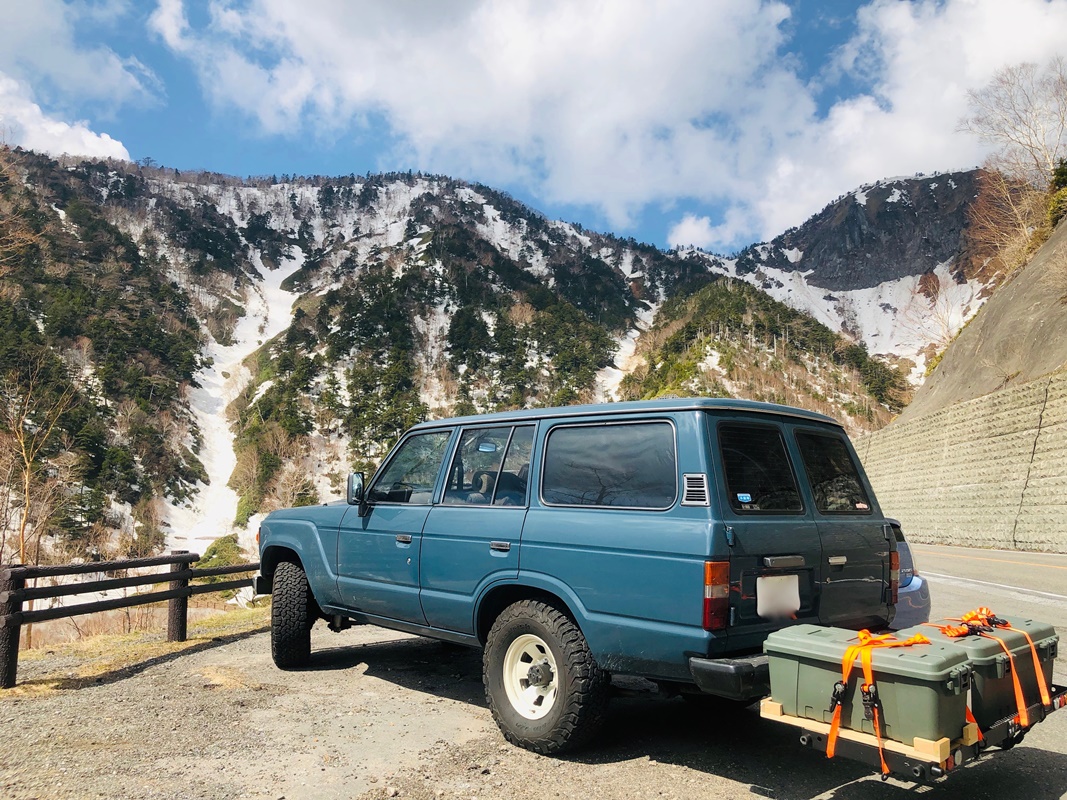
(1032, 585)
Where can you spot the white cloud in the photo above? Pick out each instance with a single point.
(621, 105)
(22, 122)
(691, 230)
(602, 103)
(38, 49)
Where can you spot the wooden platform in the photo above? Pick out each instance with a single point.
(920, 749)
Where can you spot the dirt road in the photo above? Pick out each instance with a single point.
(383, 715)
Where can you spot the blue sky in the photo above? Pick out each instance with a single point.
(715, 123)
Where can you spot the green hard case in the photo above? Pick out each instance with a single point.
(992, 691)
(922, 688)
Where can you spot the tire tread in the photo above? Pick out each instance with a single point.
(291, 617)
(586, 699)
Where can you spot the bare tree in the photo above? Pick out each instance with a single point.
(15, 233)
(1004, 217)
(1023, 112)
(30, 416)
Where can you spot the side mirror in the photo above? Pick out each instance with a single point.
(355, 488)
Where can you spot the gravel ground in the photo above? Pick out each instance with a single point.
(381, 715)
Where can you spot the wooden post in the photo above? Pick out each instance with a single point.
(10, 604)
(178, 607)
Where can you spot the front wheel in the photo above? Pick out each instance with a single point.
(291, 616)
(543, 685)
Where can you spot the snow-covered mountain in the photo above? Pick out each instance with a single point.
(334, 312)
(889, 265)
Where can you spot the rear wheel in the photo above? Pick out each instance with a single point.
(543, 685)
(292, 613)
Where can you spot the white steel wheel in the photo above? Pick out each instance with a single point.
(542, 683)
(531, 677)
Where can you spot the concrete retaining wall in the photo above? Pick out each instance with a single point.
(988, 472)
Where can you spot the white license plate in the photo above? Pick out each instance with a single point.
(777, 596)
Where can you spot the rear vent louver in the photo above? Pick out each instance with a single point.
(695, 490)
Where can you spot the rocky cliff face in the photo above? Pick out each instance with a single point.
(881, 232)
(1019, 336)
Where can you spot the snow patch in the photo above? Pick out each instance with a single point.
(210, 514)
(894, 318)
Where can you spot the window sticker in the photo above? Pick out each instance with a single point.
(744, 497)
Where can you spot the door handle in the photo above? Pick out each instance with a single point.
(783, 562)
(837, 561)
(500, 547)
(403, 538)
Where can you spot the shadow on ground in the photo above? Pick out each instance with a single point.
(732, 743)
(67, 682)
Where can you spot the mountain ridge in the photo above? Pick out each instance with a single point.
(333, 312)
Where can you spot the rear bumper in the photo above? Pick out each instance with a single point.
(746, 678)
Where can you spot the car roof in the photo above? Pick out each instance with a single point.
(635, 407)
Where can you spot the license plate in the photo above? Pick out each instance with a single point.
(777, 596)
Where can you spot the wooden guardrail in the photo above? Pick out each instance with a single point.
(14, 592)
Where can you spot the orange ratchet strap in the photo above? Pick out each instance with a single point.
(869, 692)
(981, 622)
(986, 617)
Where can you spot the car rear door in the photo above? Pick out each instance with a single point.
(471, 537)
(775, 547)
(856, 540)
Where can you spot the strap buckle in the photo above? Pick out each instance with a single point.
(870, 700)
(838, 695)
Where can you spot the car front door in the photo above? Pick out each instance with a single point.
(378, 553)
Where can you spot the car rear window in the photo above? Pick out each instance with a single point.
(835, 481)
(759, 476)
(621, 465)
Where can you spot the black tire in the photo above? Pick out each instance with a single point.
(292, 613)
(571, 708)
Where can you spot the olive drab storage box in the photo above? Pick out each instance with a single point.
(922, 688)
(993, 690)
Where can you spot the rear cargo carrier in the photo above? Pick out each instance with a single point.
(918, 703)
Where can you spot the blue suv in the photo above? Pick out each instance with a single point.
(663, 539)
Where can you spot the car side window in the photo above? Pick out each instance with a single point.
(622, 465)
(410, 475)
(835, 481)
(759, 476)
(472, 478)
(511, 485)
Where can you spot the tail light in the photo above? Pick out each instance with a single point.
(716, 595)
(894, 577)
